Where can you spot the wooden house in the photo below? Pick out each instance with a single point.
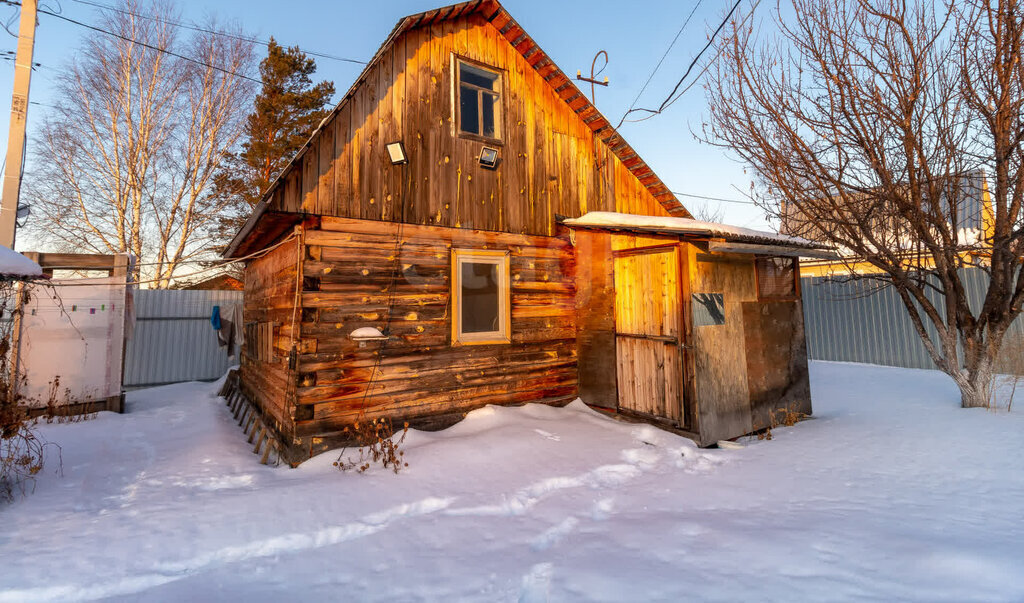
(465, 229)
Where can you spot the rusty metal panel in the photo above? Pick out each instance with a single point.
(776, 360)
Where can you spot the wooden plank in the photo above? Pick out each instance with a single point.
(325, 184)
(398, 175)
(343, 202)
(769, 250)
(417, 67)
(310, 165)
(73, 261)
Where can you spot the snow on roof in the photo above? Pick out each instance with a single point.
(14, 264)
(613, 220)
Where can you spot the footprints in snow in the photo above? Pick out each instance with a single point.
(536, 586)
(654, 449)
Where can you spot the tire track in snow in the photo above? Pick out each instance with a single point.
(268, 547)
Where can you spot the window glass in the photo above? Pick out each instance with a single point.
(480, 298)
(474, 76)
(487, 106)
(469, 111)
(708, 309)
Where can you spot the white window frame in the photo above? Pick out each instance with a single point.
(482, 256)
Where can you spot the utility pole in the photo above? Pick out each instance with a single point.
(19, 113)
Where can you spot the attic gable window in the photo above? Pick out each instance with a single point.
(479, 100)
(480, 297)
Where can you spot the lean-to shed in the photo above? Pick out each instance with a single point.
(466, 228)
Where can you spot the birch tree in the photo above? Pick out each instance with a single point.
(142, 121)
(878, 126)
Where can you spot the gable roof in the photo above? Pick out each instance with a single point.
(494, 13)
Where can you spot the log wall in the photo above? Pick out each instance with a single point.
(550, 161)
(270, 299)
(348, 273)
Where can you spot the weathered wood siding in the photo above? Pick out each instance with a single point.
(723, 399)
(347, 285)
(269, 298)
(550, 161)
(595, 318)
(647, 290)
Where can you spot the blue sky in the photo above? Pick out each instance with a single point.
(635, 35)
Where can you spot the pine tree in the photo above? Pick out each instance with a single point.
(285, 113)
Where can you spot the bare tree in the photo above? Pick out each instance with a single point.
(878, 126)
(142, 121)
(706, 213)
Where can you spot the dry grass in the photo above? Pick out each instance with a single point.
(786, 416)
(377, 444)
(22, 452)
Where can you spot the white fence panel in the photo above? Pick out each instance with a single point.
(72, 333)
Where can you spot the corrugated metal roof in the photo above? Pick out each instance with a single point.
(686, 226)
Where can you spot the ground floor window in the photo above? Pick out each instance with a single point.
(480, 297)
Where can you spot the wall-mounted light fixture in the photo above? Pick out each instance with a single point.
(489, 157)
(364, 334)
(396, 152)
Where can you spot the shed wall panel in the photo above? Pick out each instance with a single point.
(723, 399)
(270, 283)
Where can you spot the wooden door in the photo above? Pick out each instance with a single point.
(648, 332)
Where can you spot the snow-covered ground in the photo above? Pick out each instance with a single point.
(891, 493)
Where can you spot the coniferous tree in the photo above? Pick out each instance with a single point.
(285, 113)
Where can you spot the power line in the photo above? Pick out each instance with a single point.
(704, 70)
(209, 31)
(693, 63)
(660, 61)
(692, 196)
(143, 44)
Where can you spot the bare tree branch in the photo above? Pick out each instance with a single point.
(892, 130)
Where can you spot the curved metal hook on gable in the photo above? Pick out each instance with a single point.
(593, 76)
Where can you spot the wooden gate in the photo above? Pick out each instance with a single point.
(648, 328)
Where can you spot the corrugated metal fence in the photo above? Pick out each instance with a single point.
(173, 338)
(862, 321)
